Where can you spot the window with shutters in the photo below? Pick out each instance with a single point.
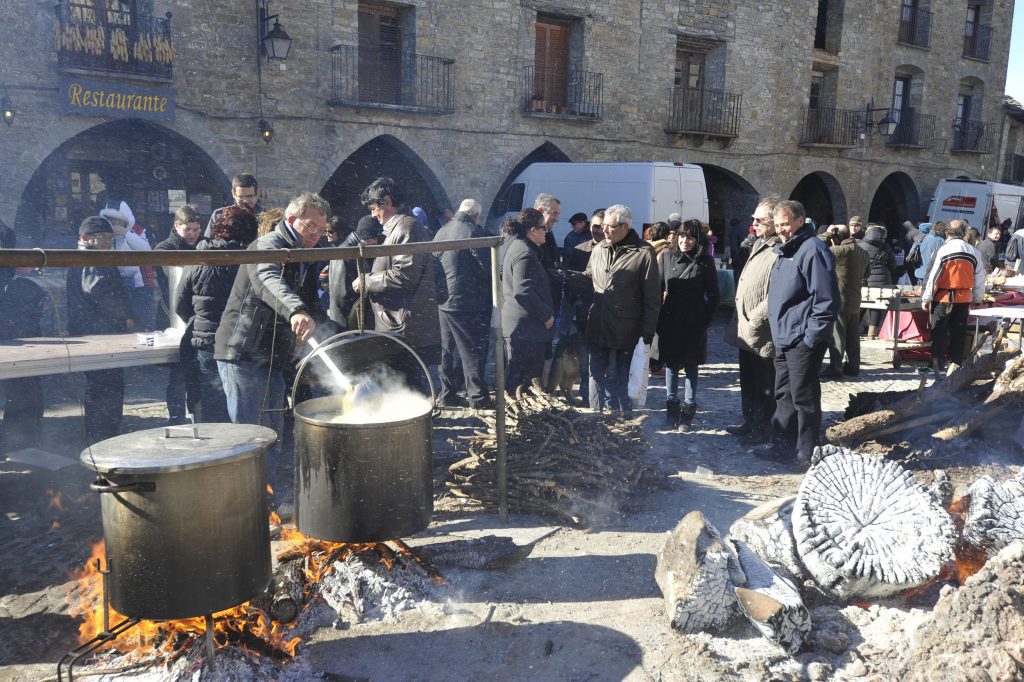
(699, 103)
(551, 63)
(380, 53)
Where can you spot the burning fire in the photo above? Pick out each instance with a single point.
(967, 559)
(243, 625)
(55, 500)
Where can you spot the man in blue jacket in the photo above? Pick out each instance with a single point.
(803, 301)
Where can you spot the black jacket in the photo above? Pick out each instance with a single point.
(174, 242)
(208, 233)
(256, 324)
(627, 293)
(97, 301)
(464, 278)
(526, 293)
(690, 287)
(203, 294)
(22, 305)
(883, 260)
(341, 274)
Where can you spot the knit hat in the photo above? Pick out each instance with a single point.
(94, 225)
(368, 227)
(421, 214)
(925, 228)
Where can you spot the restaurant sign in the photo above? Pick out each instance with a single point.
(117, 100)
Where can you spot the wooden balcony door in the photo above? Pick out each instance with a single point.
(380, 53)
(551, 60)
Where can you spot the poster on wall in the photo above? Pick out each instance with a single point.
(175, 199)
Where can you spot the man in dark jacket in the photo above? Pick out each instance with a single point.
(401, 288)
(464, 309)
(627, 298)
(580, 234)
(990, 247)
(579, 291)
(270, 308)
(181, 375)
(246, 193)
(803, 301)
(341, 274)
(98, 304)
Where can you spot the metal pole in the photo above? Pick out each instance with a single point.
(499, 384)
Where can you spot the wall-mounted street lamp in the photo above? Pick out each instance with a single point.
(7, 109)
(885, 125)
(266, 130)
(275, 42)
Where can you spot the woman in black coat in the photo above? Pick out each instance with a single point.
(883, 271)
(689, 285)
(527, 313)
(200, 301)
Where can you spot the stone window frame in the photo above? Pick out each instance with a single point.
(828, 38)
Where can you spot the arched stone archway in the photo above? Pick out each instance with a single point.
(133, 160)
(822, 197)
(895, 200)
(503, 202)
(383, 156)
(729, 196)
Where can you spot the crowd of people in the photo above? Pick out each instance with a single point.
(612, 288)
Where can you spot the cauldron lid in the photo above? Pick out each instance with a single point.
(177, 448)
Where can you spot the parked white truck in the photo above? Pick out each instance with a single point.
(653, 190)
(980, 203)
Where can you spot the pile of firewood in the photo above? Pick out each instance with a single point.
(572, 464)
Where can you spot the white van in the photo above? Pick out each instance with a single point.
(651, 190)
(979, 202)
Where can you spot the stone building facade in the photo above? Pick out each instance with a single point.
(455, 97)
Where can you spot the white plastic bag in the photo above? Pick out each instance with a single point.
(639, 372)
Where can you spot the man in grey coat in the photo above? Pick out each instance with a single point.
(750, 331)
(627, 298)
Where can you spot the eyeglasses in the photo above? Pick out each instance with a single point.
(608, 228)
(761, 221)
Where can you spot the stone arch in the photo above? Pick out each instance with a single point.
(384, 155)
(146, 161)
(895, 200)
(823, 198)
(729, 196)
(547, 152)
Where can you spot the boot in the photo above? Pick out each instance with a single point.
(872, 331)
(686, 416)
(671, 414)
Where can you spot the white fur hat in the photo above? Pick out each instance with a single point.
(122, 212)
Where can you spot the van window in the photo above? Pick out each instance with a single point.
(511, 201)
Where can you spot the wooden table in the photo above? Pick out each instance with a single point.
(1006, 313)
(39, 356)
(894, 299)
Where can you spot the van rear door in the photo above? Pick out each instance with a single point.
(962, 200)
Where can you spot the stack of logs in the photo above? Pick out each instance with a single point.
(562, 462)
(860, 527)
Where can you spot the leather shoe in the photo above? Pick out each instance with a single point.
(739, 431)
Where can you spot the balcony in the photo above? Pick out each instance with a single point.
(118, 43)
(832, 127)
(704, 112)
(977, 41)
(562, 93)
(973, 136)
(391, 79)
(915, 27)
(915, 131)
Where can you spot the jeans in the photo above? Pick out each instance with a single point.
(689, 383)
(182, 386)
(213, 406)
(798, 397)
(609, 373)
(254, 393)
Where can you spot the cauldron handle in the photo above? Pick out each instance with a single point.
(338, 338)
(102, 485)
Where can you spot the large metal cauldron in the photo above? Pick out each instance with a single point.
(184, 518)
(363, 482)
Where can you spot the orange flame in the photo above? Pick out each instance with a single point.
(243, 625)
(967, 560)
(55, 525)
(274, 518)
(55, 500)
(270, 491)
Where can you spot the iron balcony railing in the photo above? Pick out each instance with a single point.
(913, 130)
(567, 92)
(113, 41)
(973, 136)
(977, 41)
(704, 112)
(840, 127)
(391, 79)
(915, 26)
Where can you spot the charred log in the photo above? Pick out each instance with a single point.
(771, 602)
(287, 588)
(488, 552)
(696, 572)
(1007, 393)
(866, 527)
(767, 531)
(995, 517)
